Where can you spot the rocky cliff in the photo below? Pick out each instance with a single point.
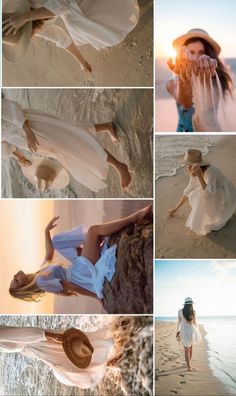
(131, 288)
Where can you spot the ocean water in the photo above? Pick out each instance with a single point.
(23, 376)
(132, 113)
(220, 337)
(168, 148)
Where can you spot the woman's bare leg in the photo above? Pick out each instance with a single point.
(187, 357)
(91, 249)
(109, 128)
(121, 169)
(191, 352)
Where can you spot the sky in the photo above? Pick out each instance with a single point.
(174, 18)
(210, 283)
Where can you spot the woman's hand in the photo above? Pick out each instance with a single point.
(184, 63)
(21, 159)
(171, 212)
(85, 66)
(13, 23)
(32, 141)
(52, 224)
(206, 65)
(196, 169)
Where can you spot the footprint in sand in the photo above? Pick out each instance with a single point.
(182, 382)
(181, 375)
(174, 391)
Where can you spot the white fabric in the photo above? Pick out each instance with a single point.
(189, 332)
(101, 23)
(55, 34)
(33, 343)
(75, 147)
(212, 207)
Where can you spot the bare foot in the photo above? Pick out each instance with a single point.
(85, 66)
(112, 132)
(190, 368)
(125, 176)
(143, 213)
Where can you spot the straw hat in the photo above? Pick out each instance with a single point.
(193, 156)
(188, 301)
(47, 174)
(196, 33)
(78, 348)
(15, 46)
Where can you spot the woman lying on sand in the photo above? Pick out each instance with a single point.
(75, 358)
(91, 261)
(201, 79)
(100, 23)
(211, 195)
(74, 146)
(187, 330)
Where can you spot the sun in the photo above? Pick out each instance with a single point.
(170, 52)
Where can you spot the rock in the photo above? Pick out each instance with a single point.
(131, 288)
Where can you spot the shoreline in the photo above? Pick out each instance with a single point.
(170, 363)
(173, 238)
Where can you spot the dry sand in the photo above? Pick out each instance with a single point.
(128, 64)
(173, 239)
(173, 375)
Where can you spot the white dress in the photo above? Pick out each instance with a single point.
(212, 207)
(75, 147)
(189, 332)
(31, 342)
(101, 23)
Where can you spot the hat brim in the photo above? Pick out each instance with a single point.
(14, 53)
(61, 180)
(69, 351)
(182, 160)
(181, 40)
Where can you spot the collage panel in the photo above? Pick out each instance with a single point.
(195, 196)
(195, 327)
(77, 43)
(76, 355)
(195, 66)
(75, 143)
(76, 257)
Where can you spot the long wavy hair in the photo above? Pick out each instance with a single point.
(188, 312)
(222, 70)
(29, 292)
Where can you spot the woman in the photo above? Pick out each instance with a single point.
(75, 147)
(91, 261)
(197, 67)
(187, 330)
(100, 23)
(211, 195)
(49, 347)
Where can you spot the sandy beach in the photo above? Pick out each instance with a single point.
(173, 239)
(172, 376)
(129, 63)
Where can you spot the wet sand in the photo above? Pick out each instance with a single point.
(172, 376)
(173, 239)
(128, 64)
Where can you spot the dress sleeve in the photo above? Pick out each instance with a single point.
(190, 187)
(210, 180)
(57, 7)
(13, 113)
(13, 339)
(7, 149)
(56, 35)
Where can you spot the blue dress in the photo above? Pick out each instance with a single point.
(185, 119)
(81, 271)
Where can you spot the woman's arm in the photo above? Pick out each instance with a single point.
(73, 50)
(198, 172)
(181, 202)
(31, 139)
(21, 159)
(14, 22)
(48, 241)
(71, 288)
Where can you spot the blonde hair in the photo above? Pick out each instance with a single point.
(29, 292)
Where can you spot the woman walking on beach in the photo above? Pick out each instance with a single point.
(74, 146)
(187, 330)
(91, 261)
(75, 358)
(200, 81)
(100, 23)
(211, 195)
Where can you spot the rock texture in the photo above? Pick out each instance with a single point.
(131, 288)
